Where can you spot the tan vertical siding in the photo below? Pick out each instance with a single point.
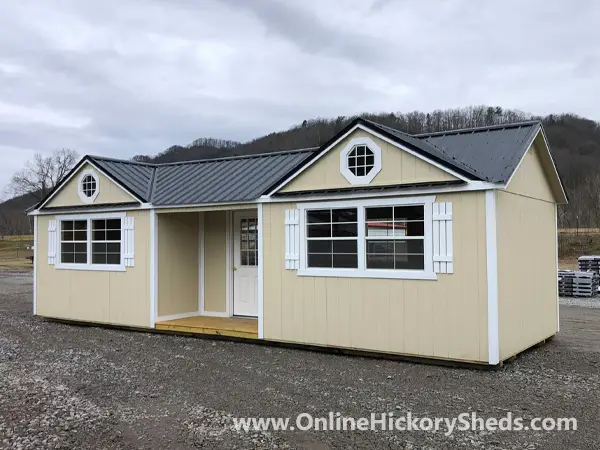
(108, 191)
(527, 272)
(397, 167)
(121, 298)
(446, 318)
(530, 179)
(215, 261)
(178, 251)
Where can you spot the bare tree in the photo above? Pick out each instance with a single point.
(40, 175)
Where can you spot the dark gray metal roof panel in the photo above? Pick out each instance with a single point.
(493, 152)
(137, 177)
(430, 150)
(223, 180)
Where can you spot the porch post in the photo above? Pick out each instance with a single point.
(260, 270)
(153, 267)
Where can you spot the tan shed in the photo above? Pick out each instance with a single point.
(377, 241)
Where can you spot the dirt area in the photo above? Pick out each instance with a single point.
(67, 386)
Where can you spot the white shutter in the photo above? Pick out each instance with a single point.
(292, 239)
(52, 241)
(442, 238)
(128, 241)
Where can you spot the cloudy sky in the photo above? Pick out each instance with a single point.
(120, 78)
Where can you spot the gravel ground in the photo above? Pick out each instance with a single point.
(589, 302)
(67, 386)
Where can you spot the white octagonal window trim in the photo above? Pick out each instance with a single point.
(88, 186)
(360, 160)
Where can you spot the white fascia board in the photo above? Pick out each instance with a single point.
(562, 188)
(199, 207)
(380, 136)
(99, 209)
(76, 169)
(472, 186)
(529, 144)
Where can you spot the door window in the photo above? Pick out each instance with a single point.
(249, 242)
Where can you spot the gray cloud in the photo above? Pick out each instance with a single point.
(122, 78)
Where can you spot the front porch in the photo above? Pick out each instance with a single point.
(219, 326)
(206, 271)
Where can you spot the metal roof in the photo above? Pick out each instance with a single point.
(493, 152)
(429, 150)
(233, 179)
(488, 153)
(137, 177)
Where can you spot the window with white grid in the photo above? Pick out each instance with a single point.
(106, 241)
(361, 160)
(88, 186)
(73, 241)
(332, 238)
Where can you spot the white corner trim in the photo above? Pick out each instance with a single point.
(492, 277)
(84, 198)
(178, 316)
(35, 263)
(153, 267)
(345, 170)
(261, 259)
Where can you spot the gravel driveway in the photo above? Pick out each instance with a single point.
(66, 386)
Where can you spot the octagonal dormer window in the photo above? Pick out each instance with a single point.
(360, 160)
(89, 186)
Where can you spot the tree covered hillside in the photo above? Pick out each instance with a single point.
(574, 141)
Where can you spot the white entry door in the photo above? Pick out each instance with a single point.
(245, 264)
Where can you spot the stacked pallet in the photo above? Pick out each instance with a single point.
(589, 263)
(577, 284)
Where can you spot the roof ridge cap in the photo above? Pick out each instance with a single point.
(250, 156)
(478, 129)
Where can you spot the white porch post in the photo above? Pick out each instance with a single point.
(35, 262)
(153, 267)
(261, 258)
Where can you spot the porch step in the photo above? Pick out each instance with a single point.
(220, 326)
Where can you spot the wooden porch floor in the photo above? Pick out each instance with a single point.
(220, 326)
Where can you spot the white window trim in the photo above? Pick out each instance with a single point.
(345, 171)
(84, 198)
(362, 271)
(89, 266)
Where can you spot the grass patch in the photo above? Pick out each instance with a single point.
(20, 237)
(571, 246)
(14, 252)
